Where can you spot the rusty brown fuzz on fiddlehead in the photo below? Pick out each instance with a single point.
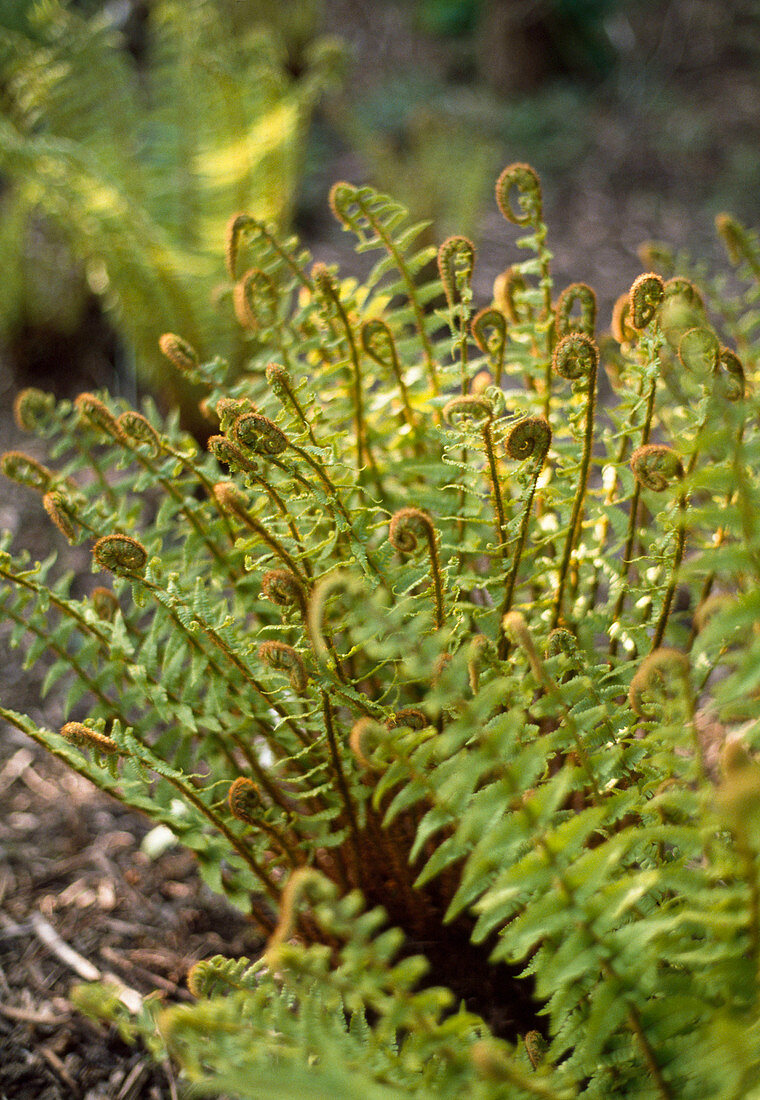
(259, 434)
(181, 354)
(244, 800)
(85, 738)
(105, 603)
(59, 508)
(576, 295)
(646, 295)
(456, 263)
(524, 180)
(255, 300)
(529, 437)
(656, 466)
(121, 554)
(407, 526)
(94, 412)
(284, 658)
(138, 430)
(225, 451)
(31, 408)
(284, 589)
(27, 471)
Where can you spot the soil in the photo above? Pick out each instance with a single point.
(72, 870)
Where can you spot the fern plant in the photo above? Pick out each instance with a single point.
(448, 676)
(136, 168)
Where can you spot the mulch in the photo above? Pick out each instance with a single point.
(79, 896)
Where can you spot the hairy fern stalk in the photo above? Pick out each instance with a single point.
(446, 671)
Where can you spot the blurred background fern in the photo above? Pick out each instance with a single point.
(121, 166)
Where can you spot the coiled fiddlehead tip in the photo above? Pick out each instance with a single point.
(367, 735)
(259, 434)
(471, 408)
(25, 470)
(528, 437)
(225, 451)
(698, 350)
(97, 415)
(561, 640)
(729, 380)
(456, 263)
(661, 679)
(581, 295)
(340, 198)
(304, 884)
(507, 286)
(244, 801)
(528, 186)
(489, 330)
(31, 408)
(406, 528)
(575, 356)
(120, 554)
(646, 295)
(284, 589)
(105, 603)
(284, 658)
(621, 328)
(59, 508)
(255, 300)
(408, 718)
(656, 466)
(181, 354)
(236, 227)
(85, 738)
(138, 430)
(278, 377)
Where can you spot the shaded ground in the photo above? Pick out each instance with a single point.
(654, 151)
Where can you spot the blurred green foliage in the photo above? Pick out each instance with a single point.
(126, 168)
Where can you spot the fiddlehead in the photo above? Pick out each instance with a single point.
(657, 467)
(32, 409)
(226, 452)
(582, 296)
(576, 357)
(284, 589)
(121, 554)
(259, 434)
(27, 471)
(139, 431)
(646, 295)
(94, 412)
(407, 527)
(179, 353)
(255, 300)
(104, 602)
(282, 385)
(529, 438)
(61, 512)
(456, 263)
(379, 345)
(489, 331)
(284, 658)
(524, 180)
(86, 738)
(479, 410)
